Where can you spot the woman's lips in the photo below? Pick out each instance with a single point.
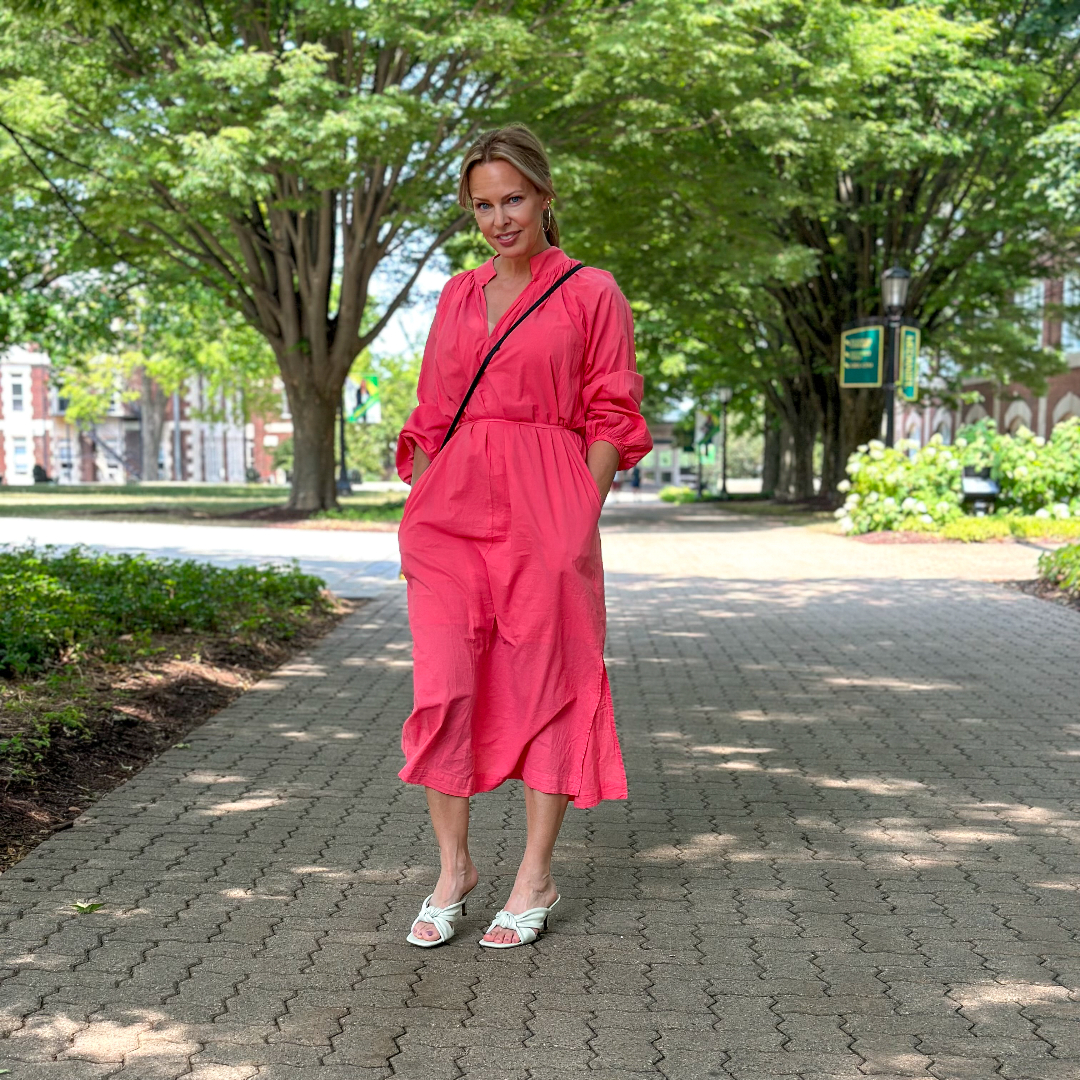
(508, 239)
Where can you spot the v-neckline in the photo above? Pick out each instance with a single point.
(513, 303)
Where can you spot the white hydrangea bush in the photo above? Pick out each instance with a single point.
(890, 490)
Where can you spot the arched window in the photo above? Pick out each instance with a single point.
(1017, 416)
(1066, 408)
(943, 425)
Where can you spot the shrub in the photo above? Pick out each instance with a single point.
(674, 494)
(384, 511)
(1039, 478)
(1062, 568)
(1036, 476)
(50, 601)
(889, 490)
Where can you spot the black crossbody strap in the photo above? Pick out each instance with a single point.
(498, 344)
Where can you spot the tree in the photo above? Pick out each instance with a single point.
(283, 155)
(805, 148)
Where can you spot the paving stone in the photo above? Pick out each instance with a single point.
(848, 851)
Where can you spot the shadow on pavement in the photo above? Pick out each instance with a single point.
(850, 850)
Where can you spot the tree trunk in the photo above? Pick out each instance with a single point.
(770, 463)
(314, 421)
(860, 418)
(833, 457)
(803, 438)
(785, 476)
(152, 407)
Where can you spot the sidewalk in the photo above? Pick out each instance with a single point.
(351, 563)
(850, 851)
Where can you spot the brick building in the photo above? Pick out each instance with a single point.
(34, 431)
(1012, 406)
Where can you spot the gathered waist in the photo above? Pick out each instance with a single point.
(518, 423)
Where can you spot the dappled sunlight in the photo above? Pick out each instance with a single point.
(244, 806)
(204, 777)
(732, 750)
(883, 683)
(971, 997)
(253, 894)
(872, 785)
(974, 836)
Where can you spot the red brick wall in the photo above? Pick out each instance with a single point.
(1061, 385)
(39, 394)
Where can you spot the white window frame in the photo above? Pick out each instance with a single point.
(1070, 332)
(20, 449)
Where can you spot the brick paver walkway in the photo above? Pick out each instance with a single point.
(850, 851)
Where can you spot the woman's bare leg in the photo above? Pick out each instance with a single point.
(533, 886)
(450, 817)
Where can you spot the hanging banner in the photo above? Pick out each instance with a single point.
(909, 362)
(861, 357)
(368, 409)
(705, 428)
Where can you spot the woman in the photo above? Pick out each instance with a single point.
(499, 540)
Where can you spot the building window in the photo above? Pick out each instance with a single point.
(1070, 324)
(16, 395)
(22, 458)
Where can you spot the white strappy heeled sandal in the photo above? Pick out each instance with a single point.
(442, 919)
(527, 925)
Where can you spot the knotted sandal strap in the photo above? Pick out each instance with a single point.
(442, 918)
(527, 924)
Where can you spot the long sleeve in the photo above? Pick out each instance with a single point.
(427, 424)
(613, 387)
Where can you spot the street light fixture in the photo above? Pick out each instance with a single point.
(894, 292)
(725, 394)
(894, 289)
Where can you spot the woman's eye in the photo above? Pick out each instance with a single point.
(515, 199)
(483, 206)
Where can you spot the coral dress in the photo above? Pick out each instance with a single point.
(499, 539)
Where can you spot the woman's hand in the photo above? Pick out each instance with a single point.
(603, 462)
(420, 462)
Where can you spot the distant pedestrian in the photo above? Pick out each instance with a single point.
(499, 540)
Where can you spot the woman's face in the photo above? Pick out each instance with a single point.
(508, 208)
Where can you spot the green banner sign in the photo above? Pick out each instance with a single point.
(861, 356)
(368, 402)
(909, 362)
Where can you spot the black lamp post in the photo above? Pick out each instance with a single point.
(725, 394)
(894, 291)
(343, 485)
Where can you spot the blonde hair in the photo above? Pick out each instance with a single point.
(518, 146)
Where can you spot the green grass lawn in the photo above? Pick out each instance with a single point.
(178, 504)
(789, 513)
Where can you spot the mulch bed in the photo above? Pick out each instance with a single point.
(136, 710)
(903, 538)
(1044, 590)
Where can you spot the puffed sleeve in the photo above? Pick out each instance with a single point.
(613, 387)
(427, 424)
